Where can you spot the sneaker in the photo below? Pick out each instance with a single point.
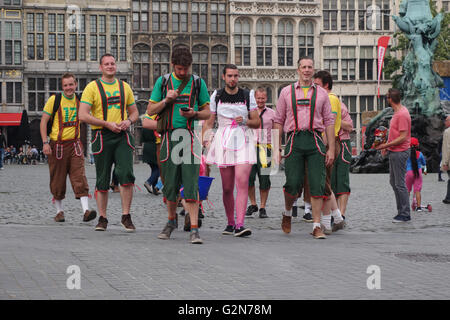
(229, 230)
(155, 191)
(294, 211)
(307, 217)
(59, 217)
(102, 224)
(200, 214)
(127, 223)
(263, 213)
(242, 232)
(446, 201)
(89, 215)
(148, 187)
(419, 209)
(318, 233)
(251, 209)
(338, 226)
(286, 224)
(326, 230)
(182, 212)
(399, 219)
(195, 238)
(167, 231)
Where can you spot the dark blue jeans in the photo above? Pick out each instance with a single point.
(2, 154)
(153, 180)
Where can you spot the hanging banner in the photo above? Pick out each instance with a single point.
(383, 43)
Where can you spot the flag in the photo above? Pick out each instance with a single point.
(383, 43)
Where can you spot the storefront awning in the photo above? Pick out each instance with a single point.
(10, 119)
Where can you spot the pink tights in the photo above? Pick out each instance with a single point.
(238, 175)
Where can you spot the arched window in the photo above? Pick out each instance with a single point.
(200, 61)
(141, 66)
(285, 43)
(219, 58)
(242, 42)
(263, 43)
(161, 60)
(306, 39)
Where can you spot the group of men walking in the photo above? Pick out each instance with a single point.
(246, 143)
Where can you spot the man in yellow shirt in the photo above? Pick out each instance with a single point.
(64, 150)
(330, 208)
(108, 105)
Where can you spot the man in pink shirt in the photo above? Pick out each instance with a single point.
(263, 137)
(304, 112)
(398, 146)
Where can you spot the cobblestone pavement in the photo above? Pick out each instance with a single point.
(35, 251)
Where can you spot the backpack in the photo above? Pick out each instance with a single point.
(56, 105)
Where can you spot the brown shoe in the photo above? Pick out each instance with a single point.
(339, 226)
(318, 234)
(286, 224)
(127, 223)
(89, 215)
(102, 224)
(60, 217)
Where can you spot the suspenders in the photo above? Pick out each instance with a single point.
(105, 99)
(304, 102)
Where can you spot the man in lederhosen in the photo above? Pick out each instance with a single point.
(64, 149)
(304, 112)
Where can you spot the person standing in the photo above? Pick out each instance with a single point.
(150, 157)
(108, 105)
(304, 112)
(232, 149)
(2, 148)
(64, 149)
(184, 98)
(263, 152)
(398, 143)
(445, 163)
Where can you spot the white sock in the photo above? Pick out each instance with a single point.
(287, 213)
(337, 215)
(85, 203)
(58, 205)
(326, 221)
(307, 207)
(316, 225)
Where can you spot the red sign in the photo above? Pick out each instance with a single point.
(383, 43)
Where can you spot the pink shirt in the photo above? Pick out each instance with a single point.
(265, 135)
(401, 121)
(285, 116)
(345, 116)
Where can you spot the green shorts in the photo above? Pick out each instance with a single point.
(264, 179)
(180, 165)
(301, 147)
(340, 178)
(111, 148)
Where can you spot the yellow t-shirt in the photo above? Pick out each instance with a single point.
(69, 114)
(336, 110)
(157, 135)
(92, 97)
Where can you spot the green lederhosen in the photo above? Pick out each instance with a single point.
(304, 146)
(109, 147)
(340, 178)
(178, 169)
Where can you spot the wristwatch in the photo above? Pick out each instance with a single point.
(45, 142)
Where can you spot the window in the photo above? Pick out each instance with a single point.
(200, 61)
(13, 43)
(366, 61)
(446, 6)
(347, 14)
(330, 14)
(54, 86)
(35, 37)
(36, 94)
(141, 66)
(118, 38)
(219, 58)
(373, 16)
(263, 43)
(366, 103)
(161, 60)
(242, 42)
(350, 102)
(14, 92)
(285, 43)
(348, 63)
(218, 17)
(140, 15)
(56, 37)
(179, 16)
(306, 39)
(160, 16)
(98, 35)
(199, 16)
(330, 61)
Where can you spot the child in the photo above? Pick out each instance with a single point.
(415, 166)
